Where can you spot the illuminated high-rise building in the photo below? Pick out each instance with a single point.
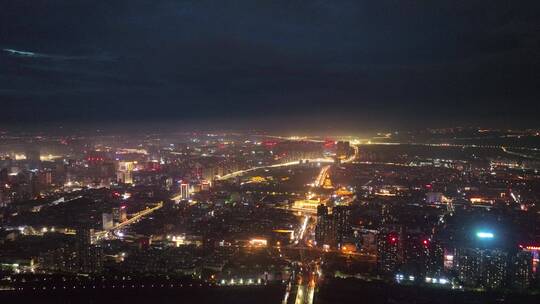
(495, 267)
(33, 158)
(184, 191)
(325, 231)
(343, 149)
(388, 251)
(107, 219)
(521, 270)
(205, 185)
(119, 214)
(342, 221)
(45, 178)
(467, 263)
(124, 172)
(322, 214)
(485, 268)
(290, 151)
(35, 186)
(435, 261)
(101, 169)
(89, 256)
(415, 253)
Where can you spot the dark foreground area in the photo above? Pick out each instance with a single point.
(332, 292)
(259, 294)
(355, 291)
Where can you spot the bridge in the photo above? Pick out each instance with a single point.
(326, 160)
(136, 216)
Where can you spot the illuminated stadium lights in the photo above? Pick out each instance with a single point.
(485, 235)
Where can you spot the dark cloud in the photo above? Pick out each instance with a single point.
(387, 62)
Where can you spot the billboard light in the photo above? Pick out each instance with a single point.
(485, 235)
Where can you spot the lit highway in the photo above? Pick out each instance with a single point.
(504, 148)
(137, 216)
(319, 181)
(303, 289)
(294, 163)
(304, 284)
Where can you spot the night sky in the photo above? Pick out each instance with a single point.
(289, 63)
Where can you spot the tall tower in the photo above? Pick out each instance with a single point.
(342, 220)
(322, 222)
(89, 256)
(388, 251)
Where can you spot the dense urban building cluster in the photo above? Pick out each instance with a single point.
(426, 210)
